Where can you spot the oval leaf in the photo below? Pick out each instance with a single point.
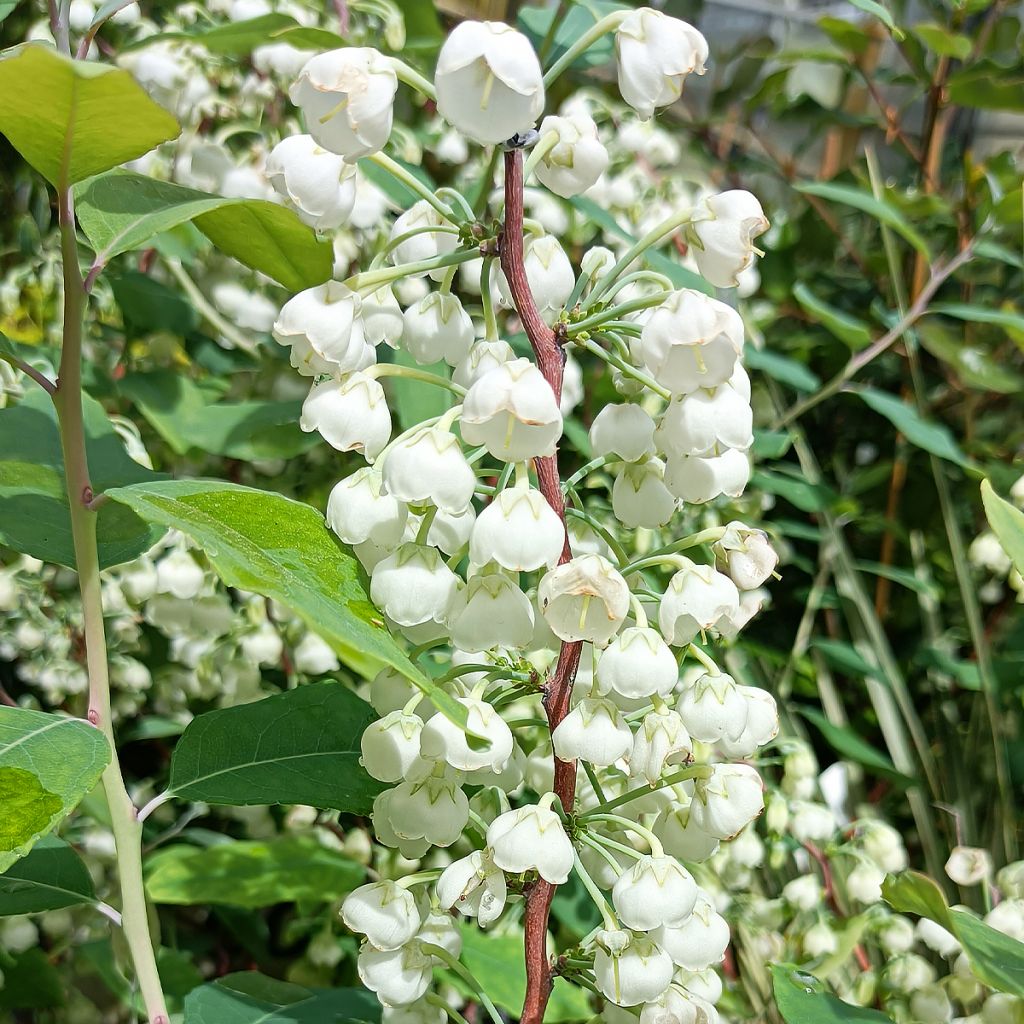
(1007, 523)
(802, 999)
(50, 877)
(932, 437)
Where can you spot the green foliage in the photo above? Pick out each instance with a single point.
(931, 437)
(31, 982)
(51, 876)
(121, 211)
(850, 745)
(802, 999)
(73, 119)
(1007, 522)
(34, 514)
(47, 764)
(251, 874)
(299, 747)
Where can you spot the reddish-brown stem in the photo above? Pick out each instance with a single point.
(557, 691)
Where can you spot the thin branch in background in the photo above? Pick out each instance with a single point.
(30, 371)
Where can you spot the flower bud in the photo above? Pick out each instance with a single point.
(661, 739)
(678, 1006)
(584, 599)
(437, 328)
(700, 941)
(442, 739)
(723, 232)
(482, 356)
(511, 411)
(596, 260)
(577, 160)
(931, 1005)
(519, 530)
(428, 466)
(712, 707)
(819, 940)
(707, 422)
(398, 976)
(811, 822)
(425, 245)
(746, 555)
(531, 838)
(313, 656)
(488, 81)
(727, 801)
(359, 510)
(351, 415)
(382, 317)
(864, 883)
(624, 430)
(180, 575)
(655, 891)
(549, 274)
(803, 892)
(382, 911)
(319, 184)
(640, 497)
(696, 598)
(322, 328)
(346, 97)
(413, 585)
(593, 731)
(473, 886)
(655, 54)
(696, 480)
(681, 836)
(637, 663)
(969, 865)
(631, 972)
(491, 611)
(434, 808)
(390, 747)
(761, 725)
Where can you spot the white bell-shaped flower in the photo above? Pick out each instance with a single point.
(636, 971)
(661, 739)
(640, 497)
(322, 329)
(594, 731)
(700, 941)
(625, 430)
(864, 883)
(313, 656)
(532, 838)
(678, 1006)
(697, 596)
(432, 808)
(586, 598)
(488, 81)
(706, 422)
(358, 510)
(350, 415)
(696, 480)
(437, 328)
(760, 727)
(711, 707)
(382, 911)
(474, 886)
(746, 555)
(723, 229)
(681, 837)
(347, 98)
(319, 184)
(691, 341)
(511, 411)
(491, 611)
(443, 740)
(655, 891)
(381, 816)
(383, 322)
(519, 530)
(450, 530)
(577, 160)
(180, 575)
(637, 663)
(398, 976)
(428, 466)
(655, 54)
(727, 801)
(419, 1012)
(549, 274)
(391, 747)
(482, 356)
(413, 585)
(425, 244)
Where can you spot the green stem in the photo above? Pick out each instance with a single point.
(124, 821)
(596, 895)
(412, 78)
(627, 368)
(663, 556)
(590, 841)
(609, 23)
(487, 300)
(541, 150)
(595, 785)
(423, 229)
(584, 471)
(412, 373)
(407, 178)
(610, 313)
(372, 279)
(697, 771)
(463, 972)
(629, 826)
(208, 311)
(704, 659)
(459, 199)
(605, 535)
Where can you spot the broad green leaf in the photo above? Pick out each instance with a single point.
(805, 496)
(238, 38)
(147, 304)
(845, 327)
(31, 982)
(847, 35)
(771, 444)
(1007, 522)
(904, 577)
(975, 314)
(297, 747)
(882, 14)
(34, 514)
(282, 549)
(975, 365)
(847, 743)
(47, 764)
(882, 211)
(189, 418)
(935, 438)
(781, 368)
(122, 210)
(987, 86)
(942, 41)
(251, 998)
(536, 22)
(910, 892)
(71, 119)
(50, 877)
(415, 402)
(252, 874)
(496, 961)
(802, 999)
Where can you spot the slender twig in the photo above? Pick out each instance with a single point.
(40, 378)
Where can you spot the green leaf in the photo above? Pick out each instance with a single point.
(781, 368)
(974, 364)
(986, 85)
(282, 549)
(935, 438)
(536, 22)
(31, 982)
(251, 998)
(34, 514)
(252, 874)
(882, 14)
(847, 743)
(190, 418)
(496, 961)
(50, 877)
(147, 304)
(845, 327)
(940, 40)
(845, 657)
(771, 444)
(975, 314)
(802, 999)
(239, 38)
(847, 35)
(882, 211)
(910, 892)
(1007, 522)
(122, 210)
(47, 764)
(6, 6)
(71, 119)
(297, 747)
(805, 496)
(414, 401)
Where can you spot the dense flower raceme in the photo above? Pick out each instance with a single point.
(465, 551)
